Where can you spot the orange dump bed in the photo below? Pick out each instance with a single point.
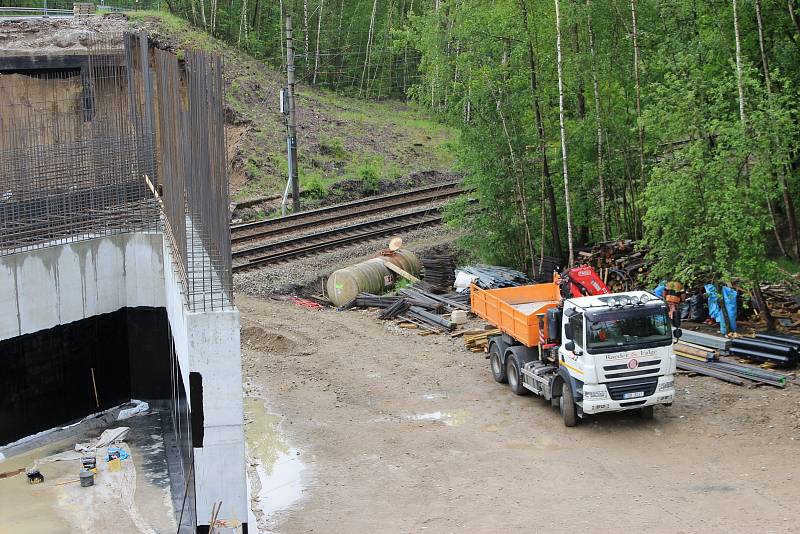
(516, 310)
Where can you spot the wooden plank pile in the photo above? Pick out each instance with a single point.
(783, 300)
(478, 340)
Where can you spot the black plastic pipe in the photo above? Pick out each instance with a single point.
(780, 339)
(763, 346)
(764, 356)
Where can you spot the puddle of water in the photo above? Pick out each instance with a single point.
(278, 466)
(449, 417)
(434, 396)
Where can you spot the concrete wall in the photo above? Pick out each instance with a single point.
(208, 343)
(57, 285)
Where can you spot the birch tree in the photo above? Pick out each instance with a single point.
(567, 205)
(636, 59)
(595, 84)
(316, 53)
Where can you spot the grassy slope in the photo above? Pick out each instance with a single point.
(339, 138)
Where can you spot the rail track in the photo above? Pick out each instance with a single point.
(276, 251)
(260, 230)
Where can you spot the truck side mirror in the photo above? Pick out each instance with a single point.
(676, 318)
(677, 333)
(570, 346)
(568, 333)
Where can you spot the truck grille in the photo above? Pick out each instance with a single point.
(617, 390)
(622, 371)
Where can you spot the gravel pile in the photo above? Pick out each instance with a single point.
(304, 276)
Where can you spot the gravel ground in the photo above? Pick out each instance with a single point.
(404, 433)
(304, 276)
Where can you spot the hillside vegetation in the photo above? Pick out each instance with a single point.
(347, 146)
(672, 122)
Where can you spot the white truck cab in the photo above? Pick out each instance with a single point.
(617, 349)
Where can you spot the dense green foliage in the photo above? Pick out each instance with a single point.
(675, 135)
(709, 172)
(354, 46)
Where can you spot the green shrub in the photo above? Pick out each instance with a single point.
(332, 147)
(370, 177)
(314, 186)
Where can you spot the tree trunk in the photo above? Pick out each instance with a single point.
(305, 33)
(763, 308)
(739, 79)
(601, 183)
(788, 203)
(520, 190)
(203, 13)
(792, 10)
(636, 60)
(364, 73)
(764, 60)
(255, 21)
(547, 184)
(242, 23)
(316, 53)
(563, 134)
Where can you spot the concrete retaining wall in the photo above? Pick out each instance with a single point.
(57, 285)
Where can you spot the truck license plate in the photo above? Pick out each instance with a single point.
(633, 395)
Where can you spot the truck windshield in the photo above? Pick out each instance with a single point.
(635, 328)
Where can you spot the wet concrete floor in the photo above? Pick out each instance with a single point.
(136, 498)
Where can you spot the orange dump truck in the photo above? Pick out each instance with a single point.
(520, 312)
(586, 354)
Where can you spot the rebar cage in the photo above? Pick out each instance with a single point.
(131, 141)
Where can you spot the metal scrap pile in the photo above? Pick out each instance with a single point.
(727, 359)
(412, 306)
(493, 277)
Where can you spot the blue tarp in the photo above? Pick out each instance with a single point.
(715, 312)
(659, 290)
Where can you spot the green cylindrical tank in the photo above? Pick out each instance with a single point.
(369, 276)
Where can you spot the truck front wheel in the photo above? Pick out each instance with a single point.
(496, 364)
(567, 405)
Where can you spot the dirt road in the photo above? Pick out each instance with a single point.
(404, 433)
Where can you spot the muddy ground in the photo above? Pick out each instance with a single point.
(405, 433)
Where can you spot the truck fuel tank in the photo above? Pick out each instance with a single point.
(554, 323)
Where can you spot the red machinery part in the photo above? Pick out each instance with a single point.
(582, 281)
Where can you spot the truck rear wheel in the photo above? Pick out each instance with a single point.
(567, 405)
(496, 364)
(513, 375)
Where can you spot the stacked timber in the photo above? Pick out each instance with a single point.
(783, 300)
(478, 340)
(621, 264)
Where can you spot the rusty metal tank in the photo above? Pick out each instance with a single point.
(370, 276)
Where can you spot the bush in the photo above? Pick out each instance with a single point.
(332, 147)
(370, 177)
(314, 186)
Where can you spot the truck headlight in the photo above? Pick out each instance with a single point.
(601, 394)
(667, 384)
